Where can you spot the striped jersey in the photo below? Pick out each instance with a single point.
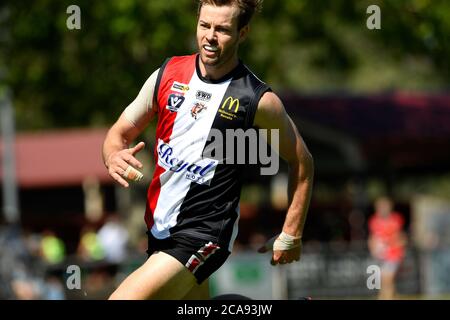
(192, 193)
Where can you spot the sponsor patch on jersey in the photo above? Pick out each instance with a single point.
(174, 102)
(179, 87)
(200, 171)
(203, 96)
(196, 109)
(229, 108)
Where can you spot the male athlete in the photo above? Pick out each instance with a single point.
(192, 209)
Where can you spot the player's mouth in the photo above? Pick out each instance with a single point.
(210, 50)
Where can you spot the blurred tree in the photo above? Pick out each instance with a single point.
(66, 78)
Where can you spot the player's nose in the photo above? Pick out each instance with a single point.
(211, 35)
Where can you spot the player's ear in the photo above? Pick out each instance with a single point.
(243, 33)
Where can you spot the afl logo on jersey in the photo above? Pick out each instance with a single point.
(174, 102)
(196, 109)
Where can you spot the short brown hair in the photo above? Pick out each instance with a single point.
(247, 8)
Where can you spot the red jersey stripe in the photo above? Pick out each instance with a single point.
(181, 69)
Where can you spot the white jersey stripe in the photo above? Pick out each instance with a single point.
(190, 131)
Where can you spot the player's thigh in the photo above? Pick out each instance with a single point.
(198, 292)
(160, 277)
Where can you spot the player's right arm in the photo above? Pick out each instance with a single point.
(117, 155)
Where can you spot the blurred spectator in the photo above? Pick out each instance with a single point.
(20, 271)
(32, 242)
(53, 289)
(25, 289)
(89, 248)
(387, 243)
(113, 237)
(52, 248)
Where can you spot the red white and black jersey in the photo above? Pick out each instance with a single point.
(192, 194)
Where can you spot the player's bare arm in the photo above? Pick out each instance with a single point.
(271, 114)
(117, 155)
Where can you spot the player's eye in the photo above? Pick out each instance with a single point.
(223, 30)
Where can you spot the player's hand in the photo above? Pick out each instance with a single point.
(118, 162)
(288, 253)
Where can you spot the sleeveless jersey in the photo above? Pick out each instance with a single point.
(192, 194)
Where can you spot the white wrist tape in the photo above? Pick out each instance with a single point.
(285, 241)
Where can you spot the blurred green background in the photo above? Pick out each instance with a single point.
(62, 78)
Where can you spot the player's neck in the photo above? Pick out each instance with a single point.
(217, 72)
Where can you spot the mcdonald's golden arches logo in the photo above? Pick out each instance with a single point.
(231, 102)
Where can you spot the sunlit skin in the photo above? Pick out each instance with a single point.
(218, 40)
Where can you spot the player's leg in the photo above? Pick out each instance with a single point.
(387, 286)
(178, 268)
(198, 292)
(160, 277)
(212, 261)
(388, 273)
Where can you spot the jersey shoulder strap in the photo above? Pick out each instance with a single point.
(255, 89)
(173, 68)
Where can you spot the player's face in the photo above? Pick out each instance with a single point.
(218, 36)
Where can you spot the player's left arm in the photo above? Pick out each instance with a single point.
(271, 114)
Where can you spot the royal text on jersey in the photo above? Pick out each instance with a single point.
(200, 171)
